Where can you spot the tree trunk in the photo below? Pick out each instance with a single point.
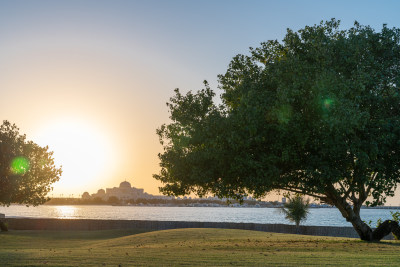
(385, 228)
(365, 232)
(352, 215)
(362, 229)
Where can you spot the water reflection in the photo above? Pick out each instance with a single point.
(66, 212)
(323, 217)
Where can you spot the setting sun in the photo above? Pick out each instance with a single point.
(84, 151)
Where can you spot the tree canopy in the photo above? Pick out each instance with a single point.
(316, 114)
(26, 169)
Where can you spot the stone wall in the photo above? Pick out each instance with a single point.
(86, 224)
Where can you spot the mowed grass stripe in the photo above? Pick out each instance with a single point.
(189, 247)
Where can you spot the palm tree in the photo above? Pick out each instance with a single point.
(296, 209)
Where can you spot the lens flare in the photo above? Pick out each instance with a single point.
(328, 103)
(19, 165)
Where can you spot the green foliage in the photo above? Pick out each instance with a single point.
(316, 114)
(296, 209)
(3, 226)
(395, 216)
(26, 169)
(369, 223)
(379, 222)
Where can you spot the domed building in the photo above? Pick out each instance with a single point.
(86, 195)
(101, 192)
(125, 192)
(125, 184)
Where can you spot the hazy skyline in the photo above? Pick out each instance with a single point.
(91, 78)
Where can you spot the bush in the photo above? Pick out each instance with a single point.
(296, 209)
(3, 226)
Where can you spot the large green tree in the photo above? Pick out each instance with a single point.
(316, 114)
(26, 169)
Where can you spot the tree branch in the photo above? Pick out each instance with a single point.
(370, 184)
(342, 186)
(353, 197)
(301, 192)
(346, 191)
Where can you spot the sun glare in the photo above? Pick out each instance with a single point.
(65, 212)
(84, 152)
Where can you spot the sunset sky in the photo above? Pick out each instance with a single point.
(90, 79)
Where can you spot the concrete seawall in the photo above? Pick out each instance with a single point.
(89, 225)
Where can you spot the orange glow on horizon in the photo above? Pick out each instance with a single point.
(85, 152)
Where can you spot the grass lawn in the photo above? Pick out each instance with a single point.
(190, 247)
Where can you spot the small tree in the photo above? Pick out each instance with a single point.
(27, 170)
(296, 209)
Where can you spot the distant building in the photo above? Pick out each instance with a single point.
(124, 192)
(86, 195)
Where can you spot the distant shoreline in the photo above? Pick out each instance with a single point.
(226, 206)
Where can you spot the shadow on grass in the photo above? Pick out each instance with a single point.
(393, 243)
(68, 235)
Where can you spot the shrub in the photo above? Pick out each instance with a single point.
(3, 226)
(296, 209)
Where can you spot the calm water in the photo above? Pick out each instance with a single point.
(317, 217)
